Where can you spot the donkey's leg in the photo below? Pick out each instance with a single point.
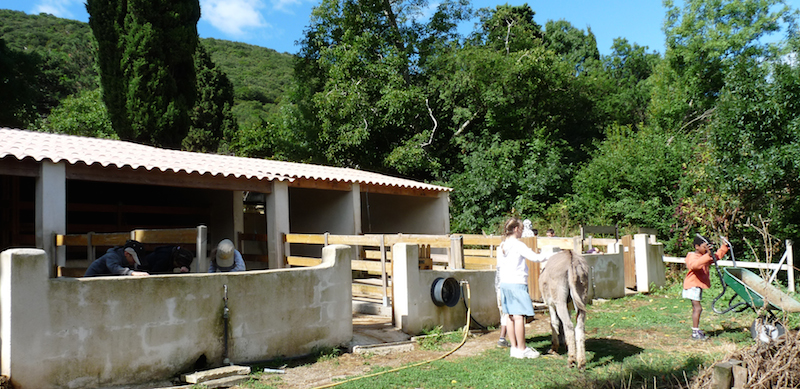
(555, 325)
(569, 330)
(580, 335)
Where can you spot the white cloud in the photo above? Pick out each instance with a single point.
(233, 17)
(286, 5)
(59, 8)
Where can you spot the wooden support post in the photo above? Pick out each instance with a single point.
(456, 258)
(384, 277)
(790, 262)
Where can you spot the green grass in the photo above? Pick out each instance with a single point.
(638, 341)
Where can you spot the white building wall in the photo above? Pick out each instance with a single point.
(106, 331)
(414, 309)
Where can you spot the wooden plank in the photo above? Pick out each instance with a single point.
(481, 240)
(563, 243)
(373, 267)
(305, 238)
(355, 240)
(110, 239)
(303, 261)
(178, 235)
(438, 241)
(72, 240)
(480, 252)
(375, 254)
(480, 261)
(475, 266)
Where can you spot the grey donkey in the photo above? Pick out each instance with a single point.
(564, 278)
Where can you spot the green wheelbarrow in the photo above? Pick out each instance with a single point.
(755, 294)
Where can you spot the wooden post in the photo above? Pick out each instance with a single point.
(384, 278)
(790, 262)
(90, 253)
(533, 271)
(456, 258)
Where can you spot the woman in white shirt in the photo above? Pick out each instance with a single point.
(513, 270)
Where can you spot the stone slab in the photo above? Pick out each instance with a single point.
(385, 348)
(213, 374)
(225, 382)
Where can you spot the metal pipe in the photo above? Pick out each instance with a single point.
(225, 317)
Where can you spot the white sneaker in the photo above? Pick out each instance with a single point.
(517, 353)
(530, 353)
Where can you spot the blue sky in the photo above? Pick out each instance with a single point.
(278, 24)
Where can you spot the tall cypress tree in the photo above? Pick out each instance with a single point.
(213, 123)
(146, 50)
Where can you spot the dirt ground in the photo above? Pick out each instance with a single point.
(311, 374)
(350, 364)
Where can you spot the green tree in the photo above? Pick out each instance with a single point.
(83, 114)
(212, 118)
(146, 50)
(632, 179)
(360, 91)
(755, 136)
(705, 38)
(625, 91)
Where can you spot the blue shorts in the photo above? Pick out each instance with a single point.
(516, 300)
(694, 294)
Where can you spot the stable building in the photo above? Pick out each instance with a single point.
(63, 184)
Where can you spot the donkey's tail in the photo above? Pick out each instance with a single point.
(578, 274)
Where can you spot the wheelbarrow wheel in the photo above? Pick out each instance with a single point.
(765, 330)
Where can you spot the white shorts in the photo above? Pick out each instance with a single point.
(694, 294)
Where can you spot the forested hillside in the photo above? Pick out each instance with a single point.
(61, 61)
(519, 116)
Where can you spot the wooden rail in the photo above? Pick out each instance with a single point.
(178, 236)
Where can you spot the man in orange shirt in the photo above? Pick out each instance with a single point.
(697, 278)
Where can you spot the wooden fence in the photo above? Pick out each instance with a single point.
(192, 237)
(457, 251)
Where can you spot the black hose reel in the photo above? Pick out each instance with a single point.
(445, 292)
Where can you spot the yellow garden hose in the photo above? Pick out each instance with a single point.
(463, 340)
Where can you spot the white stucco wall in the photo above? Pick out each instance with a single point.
(414, 310)
(650, 268)
(91, 332)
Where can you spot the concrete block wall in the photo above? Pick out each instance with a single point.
(106, 331)
(414, 309)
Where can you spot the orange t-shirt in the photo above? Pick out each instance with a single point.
(698, 268)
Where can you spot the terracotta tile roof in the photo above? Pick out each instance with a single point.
(106, 152)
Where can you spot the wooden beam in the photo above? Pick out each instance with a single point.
(181, 179)
(303, 261)
(321, 184)
(481, 240)
(10, 166)
(181, 235)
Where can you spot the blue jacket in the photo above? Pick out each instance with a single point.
(112, 263)
(238, 263)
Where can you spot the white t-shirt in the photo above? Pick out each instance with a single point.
(511, 266)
